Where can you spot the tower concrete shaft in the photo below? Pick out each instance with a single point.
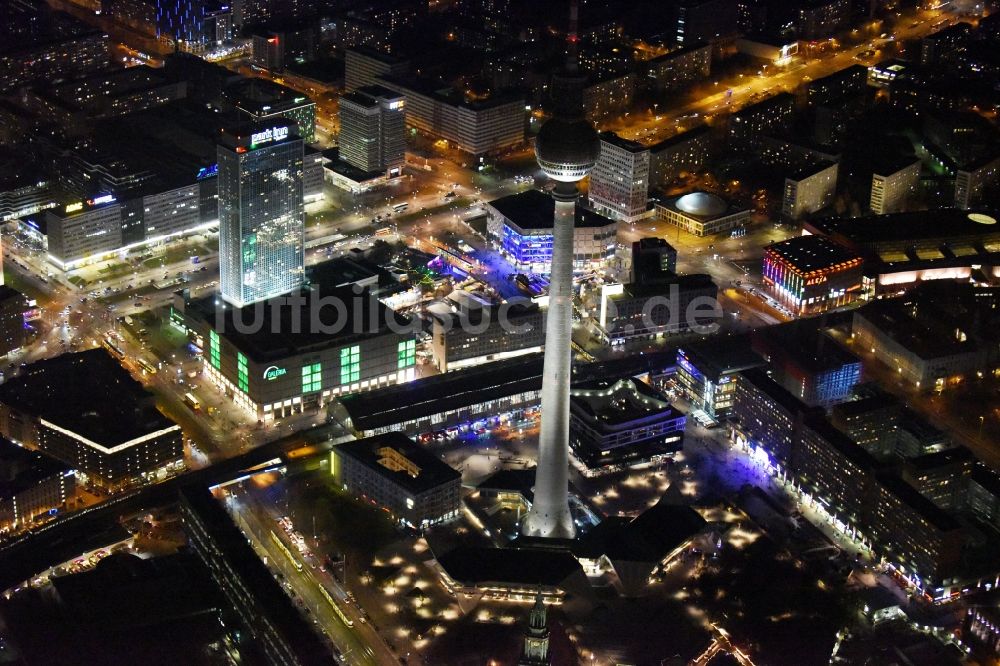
(549, 515)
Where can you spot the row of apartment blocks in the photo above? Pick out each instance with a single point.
(84, 231)
(497, 122)
(898, 511)
(475, 126)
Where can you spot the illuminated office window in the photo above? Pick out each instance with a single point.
(312, 377)
(407, 354)
(242, 374)
(214, 351)
(350, 364)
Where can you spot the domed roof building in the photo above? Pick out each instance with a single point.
(702, 204)
(703, 213)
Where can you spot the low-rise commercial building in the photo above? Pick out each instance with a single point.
(652, 308)
(520, 228)
(390, 471)
(707, 373)
(934, 337)
(456, 402)
(622, 422)
(702, 213)
(114, 437)
(905, 250)
(807, 363)
(298, 352)
(475, 398)
(810, 274)
(477, 332)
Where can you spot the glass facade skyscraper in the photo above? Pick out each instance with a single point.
(261, 212)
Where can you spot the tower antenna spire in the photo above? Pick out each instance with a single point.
(567, 147)
(573, 37)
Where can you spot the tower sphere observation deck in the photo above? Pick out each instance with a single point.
(567, 148)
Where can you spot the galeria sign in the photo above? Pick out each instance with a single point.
(273, 372)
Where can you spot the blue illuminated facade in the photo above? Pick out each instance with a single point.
(527, 253)
(193, 22)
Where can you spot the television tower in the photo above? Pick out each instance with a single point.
(567, 147)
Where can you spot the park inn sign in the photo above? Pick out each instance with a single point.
(273, 372)
(269, 135)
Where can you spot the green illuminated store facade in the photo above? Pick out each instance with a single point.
(271, 386)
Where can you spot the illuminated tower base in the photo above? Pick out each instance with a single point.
(549, 515)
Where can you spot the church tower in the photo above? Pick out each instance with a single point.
(536, 637)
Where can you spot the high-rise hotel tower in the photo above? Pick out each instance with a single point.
(261, 212)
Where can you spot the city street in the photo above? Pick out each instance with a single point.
(316, 591)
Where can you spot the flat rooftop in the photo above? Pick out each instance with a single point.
(805, 343)
(472, 565)
(847, 447)
(872, 403)
(253, 95)
(395, 457)
(656, 283)
(941, 225)
(678, 139)
(351, 172)
(480, 384)
(88, 393)
(624, 144)
(924, 322)
(929, 511)
(649, 537)
(449, 95)
(455, 390)
(808, 254)
(21, 469)
(363, 316)
(613, 403)
(721, 355)
(534, 209)
(760, 380)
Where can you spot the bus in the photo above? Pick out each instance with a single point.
(192, 402)
(284, 549)
(400, 207)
